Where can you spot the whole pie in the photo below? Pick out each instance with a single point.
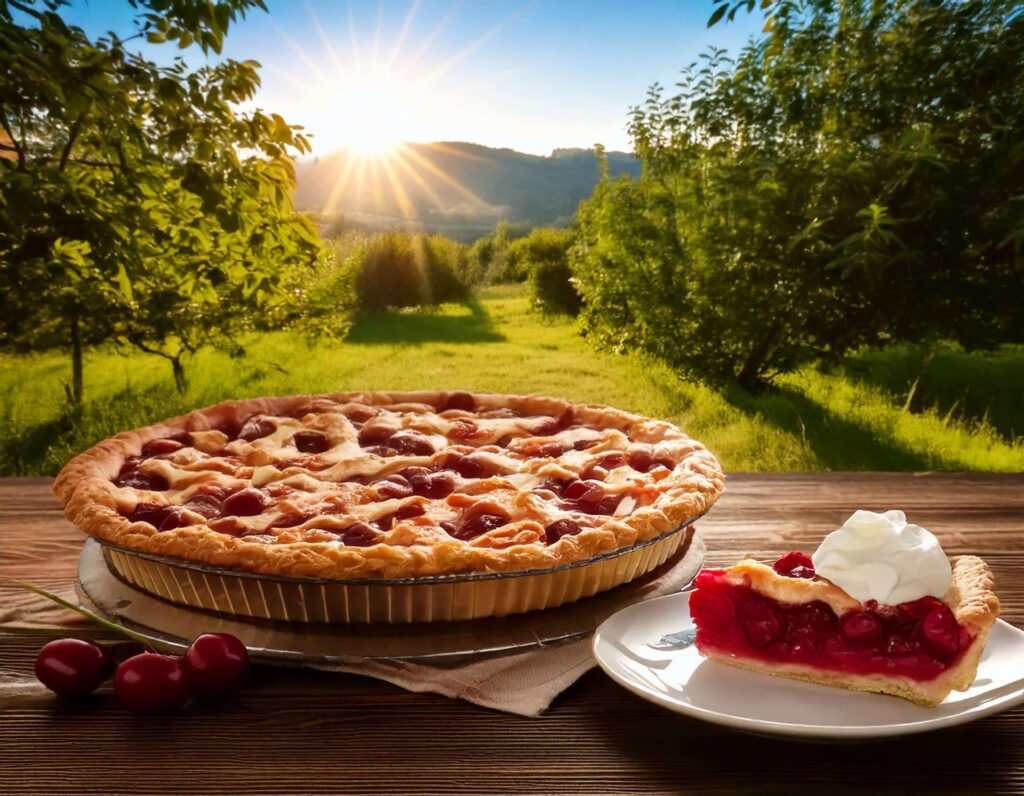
(390, 484)
(787, 621)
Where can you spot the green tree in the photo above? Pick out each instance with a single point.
(852, 178)
(543, 256)
(137, 202)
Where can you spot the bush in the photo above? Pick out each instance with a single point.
(544, 257)
(447, 265)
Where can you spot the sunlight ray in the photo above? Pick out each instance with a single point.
(340, 184)
(406, 24)
(426, 164)
(398, 158)
(324, 39)
(477, 44)
(301, 54)
(353, 38)
(440, 146)
(438, 29)
(405, 204)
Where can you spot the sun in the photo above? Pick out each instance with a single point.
(371, 114)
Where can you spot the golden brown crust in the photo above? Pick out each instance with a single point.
(970, 597)
(415, 548)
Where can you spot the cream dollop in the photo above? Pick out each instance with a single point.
(880, 557)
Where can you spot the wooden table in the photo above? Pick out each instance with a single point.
(308, 732)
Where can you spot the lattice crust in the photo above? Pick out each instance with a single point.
(327, 485)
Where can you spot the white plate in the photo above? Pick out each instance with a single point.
(683, 681)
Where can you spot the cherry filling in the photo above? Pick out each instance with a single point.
(310, 441)
(131, 476)
(560, 528)
(477, 526)
(406, 512)
(795, 565)
(458, 400)
(256, 427)
(918, 639)
(590, 497)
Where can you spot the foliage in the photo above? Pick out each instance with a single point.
(543, 256)
(400, 269)
(489, 262)
(137, 202)
(816, 420)
(853, 177)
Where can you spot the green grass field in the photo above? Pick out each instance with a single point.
(846, 418)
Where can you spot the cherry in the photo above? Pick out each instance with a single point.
(462, 429)
(545, 427)
(228, 526)
(176, 518)
(131, 476)
(411, 443)
(152, 683)
(575, 490)
(159, 447)
(256, 427)
(289, 520)
(217, 664)
(590, 497)
(153, 513)
(206, 505)
(73, 666)
(434, 485)
(360, 414)
(583, 444)
(310, 441)
(359, 534)
(641, 460)
(394, 486)
(795, 565)
(549, 450)
(245, 503)
(374, 434)
(941, 632)
(459, 400)
(479, 525)
(472, 466)
(612, 460)
(759, 620)
(566, 419)
(862, 627)
(560, 528)
(555, 485)
(408, 511)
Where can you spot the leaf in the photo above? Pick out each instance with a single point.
(717, 14)
(124, 283)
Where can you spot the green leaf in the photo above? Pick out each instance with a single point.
(717, 14)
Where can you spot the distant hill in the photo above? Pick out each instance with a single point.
(448, 183)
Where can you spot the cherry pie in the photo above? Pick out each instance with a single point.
(787, 621)
(390, 485)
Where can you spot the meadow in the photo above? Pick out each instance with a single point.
(967, 413)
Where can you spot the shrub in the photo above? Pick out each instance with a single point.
(391, 272)
(446, 264)
(544, 257)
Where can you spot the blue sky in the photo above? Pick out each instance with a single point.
(529, 75)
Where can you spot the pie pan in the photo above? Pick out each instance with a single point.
(433, 599)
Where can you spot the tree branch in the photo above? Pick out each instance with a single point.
(15, 146)
(76, 127)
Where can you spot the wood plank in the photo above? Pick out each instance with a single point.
(311, 732)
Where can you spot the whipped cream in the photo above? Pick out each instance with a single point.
(880, 557)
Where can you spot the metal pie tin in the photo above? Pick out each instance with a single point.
(435, 599)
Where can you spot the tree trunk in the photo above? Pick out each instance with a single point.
(749, 377)
(75, 393)
(180, 380)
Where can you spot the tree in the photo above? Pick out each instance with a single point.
(543, 256)
(139, 204)
(851, 178)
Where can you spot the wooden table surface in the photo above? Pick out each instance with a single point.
(308, 732)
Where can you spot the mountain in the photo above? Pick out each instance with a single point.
(452, 183)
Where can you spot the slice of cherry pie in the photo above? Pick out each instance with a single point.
(786, 620)
(391, 485)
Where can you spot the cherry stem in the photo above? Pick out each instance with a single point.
(49, 595)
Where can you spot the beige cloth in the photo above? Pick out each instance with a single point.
(523, 683)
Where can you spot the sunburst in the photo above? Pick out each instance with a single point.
(378, 92)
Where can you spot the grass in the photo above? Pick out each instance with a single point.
(847, 418)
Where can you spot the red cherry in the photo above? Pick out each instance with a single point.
(152, 683)
(394, 486)
(479, 525)
(641, 460)
(795, 565)
(406, 512)
(152, 513)
(941, 632)
(73, 666)
(358, 534)
(374, 434)
(176, 518)
(217, 664)
(434, 485)
(862, 627)
(131, 476)
(205, 505)
(411, 443)
(256, 428)
(462, 429)
(458, 400)
(310, 441)
(560, 528)
(244, 503)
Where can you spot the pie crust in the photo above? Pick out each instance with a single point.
(970, 597)
(524, 443)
